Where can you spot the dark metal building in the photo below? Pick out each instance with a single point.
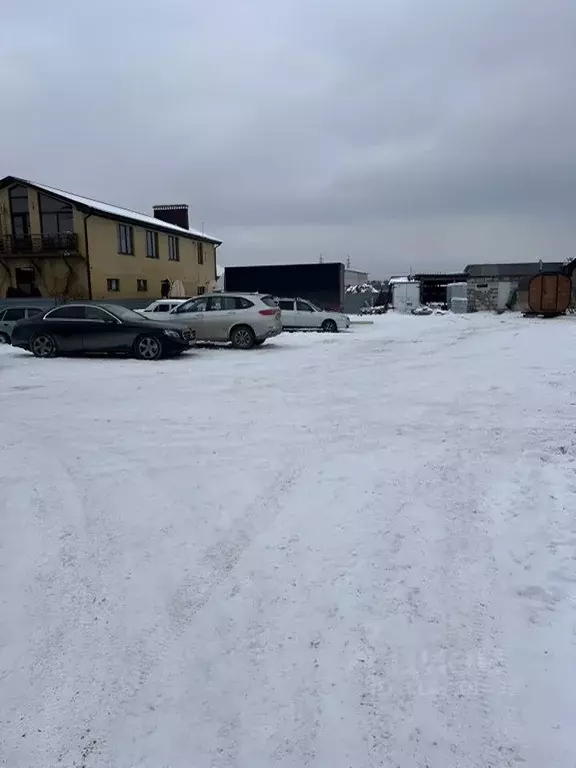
(433, 285)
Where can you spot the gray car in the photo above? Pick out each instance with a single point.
(243, 319)
(9, 316)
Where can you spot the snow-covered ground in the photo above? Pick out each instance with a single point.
(336, 551)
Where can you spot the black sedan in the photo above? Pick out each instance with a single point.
(99, 328)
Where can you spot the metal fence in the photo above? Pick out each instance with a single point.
(354, 302)
(17, 245)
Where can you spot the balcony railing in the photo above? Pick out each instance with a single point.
(38, 245)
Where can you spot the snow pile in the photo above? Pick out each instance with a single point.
(362, 288)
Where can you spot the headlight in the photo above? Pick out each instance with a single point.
(172, 334)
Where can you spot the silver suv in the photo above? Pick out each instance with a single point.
(9, 316)
(244, 319)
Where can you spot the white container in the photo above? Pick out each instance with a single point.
(406, 296)
(460, 306)
(456, 291)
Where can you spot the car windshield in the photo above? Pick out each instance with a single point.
(314, 306)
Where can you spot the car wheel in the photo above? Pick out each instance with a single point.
(242, 337)
(4, 338)
(329, 326)
(148, 348)
(43, 345)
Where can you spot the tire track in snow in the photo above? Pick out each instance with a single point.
(195, 592)
(221, 559)
(64, 573)
(477, 695)
(538, 534)
(443, 698)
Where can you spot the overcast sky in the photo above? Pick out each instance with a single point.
(425, 134)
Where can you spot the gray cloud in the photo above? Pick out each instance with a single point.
(403, 133)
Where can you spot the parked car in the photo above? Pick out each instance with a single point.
(9, 316)
(245, 320)
(92, 328)
(301, 314)
(161, 305)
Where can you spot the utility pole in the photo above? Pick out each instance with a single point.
(321, 259)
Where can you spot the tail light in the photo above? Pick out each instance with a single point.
(268, 312)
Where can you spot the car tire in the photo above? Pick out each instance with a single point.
(4, 338)
(43, 345)
(148, 347)
(242, 337)
(330, 326)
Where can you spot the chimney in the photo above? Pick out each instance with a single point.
(172, 214)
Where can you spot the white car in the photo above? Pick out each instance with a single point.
(162, 305)
(301, 314)
(9, 316)
(245, 320)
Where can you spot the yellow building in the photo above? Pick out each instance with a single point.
(60, 245)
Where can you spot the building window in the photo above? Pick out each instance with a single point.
(201, 290)
(142, 285)
(56, 217)
(200, 253)
(113, 284)
(20, 211)
(173, 248)
(125, 239)
(152, 245)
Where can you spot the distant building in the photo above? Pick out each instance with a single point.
(495, 286)
(435, 285)
(56, 244)
(354, 277)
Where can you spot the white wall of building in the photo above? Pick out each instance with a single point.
(354, 277)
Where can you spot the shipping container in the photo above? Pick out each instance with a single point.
(405, 295)
(321, 283)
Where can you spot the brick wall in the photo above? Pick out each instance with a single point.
(483, 293)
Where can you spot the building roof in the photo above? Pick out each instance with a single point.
(450, 276)
(112, 211)
(298, 264)
(521, 269)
